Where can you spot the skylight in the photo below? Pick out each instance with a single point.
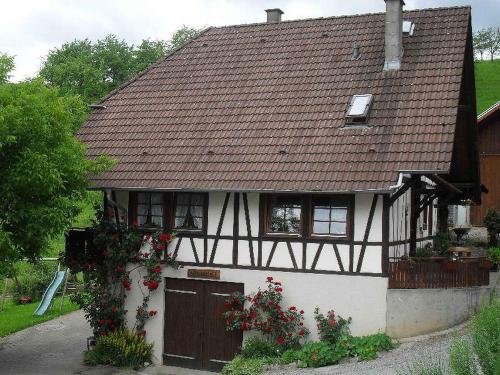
(408, 27)
(358, 109)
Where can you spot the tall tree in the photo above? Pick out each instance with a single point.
(92, 70)
(492, 41)
(479, 39)
(43, 167)
(6, 67)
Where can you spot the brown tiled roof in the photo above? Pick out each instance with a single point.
(262, 107)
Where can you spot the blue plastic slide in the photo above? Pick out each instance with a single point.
(50, 292)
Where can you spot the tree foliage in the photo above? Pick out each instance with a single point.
(43, 167)
(487, 40)
(6, 67)
(93, 69)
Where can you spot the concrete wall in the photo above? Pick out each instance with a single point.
(361, 297)
(413, 312)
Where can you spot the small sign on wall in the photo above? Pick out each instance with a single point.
(204, 274)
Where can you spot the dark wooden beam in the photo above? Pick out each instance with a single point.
(408, 184)
(385, 232)
(442, 182)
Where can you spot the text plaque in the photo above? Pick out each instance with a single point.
(204, 274)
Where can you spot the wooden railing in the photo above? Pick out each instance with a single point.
(438, 273)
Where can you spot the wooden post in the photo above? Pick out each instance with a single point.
(4, 294)
(385, 232)
(414, 204)
(64, 289)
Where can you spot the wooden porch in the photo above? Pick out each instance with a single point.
(438, 272)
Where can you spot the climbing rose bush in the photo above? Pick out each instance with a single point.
(262, 311)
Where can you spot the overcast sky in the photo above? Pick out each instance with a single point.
(30, 28)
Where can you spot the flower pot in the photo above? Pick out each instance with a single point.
(450, 265)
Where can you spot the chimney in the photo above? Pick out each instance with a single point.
(393, 34)
(274, 15)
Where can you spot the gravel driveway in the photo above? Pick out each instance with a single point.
(432, 346)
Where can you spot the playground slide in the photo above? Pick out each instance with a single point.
(50, 292)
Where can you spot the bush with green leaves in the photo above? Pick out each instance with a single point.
(332, 326)
(120, 348)
(367, 347)
(462, 358)
(493, 254)
(441, 243)
(318, 354)
(32, 279)
(492, 224)
(485, 332)
(256, 347)
(246, 366)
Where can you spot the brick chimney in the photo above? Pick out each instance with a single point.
(274, 15)
(393, 34)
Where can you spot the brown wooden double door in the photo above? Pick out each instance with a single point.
(195, 334)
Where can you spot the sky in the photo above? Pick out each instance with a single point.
(29, 29)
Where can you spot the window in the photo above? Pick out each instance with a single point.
(330, 216)
(150, 210)
(189, 211)
(358, 109)
(285, 214)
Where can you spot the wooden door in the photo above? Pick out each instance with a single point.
(195, 335)
(490, 177)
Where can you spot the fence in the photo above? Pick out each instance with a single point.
(438, 273)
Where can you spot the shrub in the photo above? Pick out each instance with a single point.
(290, 356)
(33, 279)
(493, 254)
(485, 331)
(120, 348)
(331, 327)
(462, 358)
(423, 252)
(285, 327)
(317, 354)
(256, 347)
(441, 243)
(492, 224)
(367, 347)
(244, 366)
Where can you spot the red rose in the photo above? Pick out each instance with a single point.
(161, 247)
(292, 308)
(301, 312)
(157, 269)
(289, 334)
(126, 284)
(280, 340)
(165, 237)
(301, 332)
(153, 284)
(279, 290)
(332, 322)
(145, 282)
(152, 313)
(113, 309)
(145, 255)
(269, 279)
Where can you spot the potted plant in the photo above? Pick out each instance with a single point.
(493, 255)
(405, 263)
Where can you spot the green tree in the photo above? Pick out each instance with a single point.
(92, 70)
(479, 39)
(6, 67)
(43, 166)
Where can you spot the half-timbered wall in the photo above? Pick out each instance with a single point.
(399, 224)
(234, 238)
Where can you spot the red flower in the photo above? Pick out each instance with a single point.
(145, 255)
(157, 269)
(301, 312)
(161, 247)
(280, 340)
(113, 309)
(279, 290)
(165, 237)
(126, 284)
(269, 279)
(293, 308)
(102, 321)
(289, 334)
(145, 282)
(152, 313)
(332, 322)
(153, 284)
(302, 332)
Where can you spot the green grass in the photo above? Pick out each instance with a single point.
(14, 317)
(487, 84)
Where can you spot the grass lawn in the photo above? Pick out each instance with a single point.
(487, 84)
(14, 317)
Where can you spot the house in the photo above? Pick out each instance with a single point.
(488, 124)
(316, 151)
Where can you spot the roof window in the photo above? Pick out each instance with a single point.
(408, 27)
(358, 109)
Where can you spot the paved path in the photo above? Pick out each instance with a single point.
(56, 348)
(51, 348)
